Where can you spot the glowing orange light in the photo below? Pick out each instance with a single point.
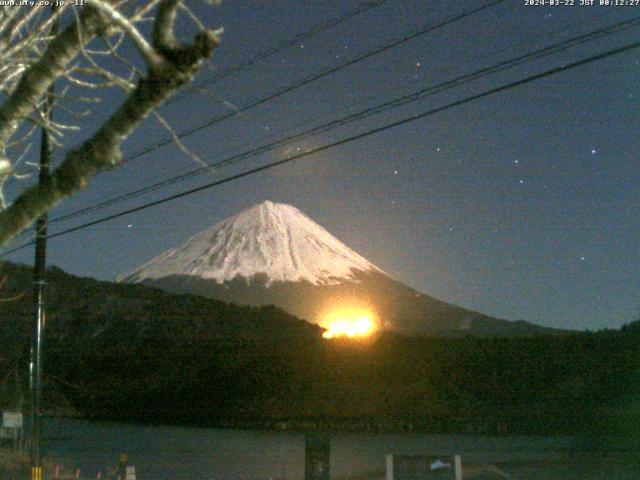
(348, 322)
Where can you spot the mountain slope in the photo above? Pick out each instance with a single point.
(130, 352)
(397, 307)
(274, 254)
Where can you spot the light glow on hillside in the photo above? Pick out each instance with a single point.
(349, 322)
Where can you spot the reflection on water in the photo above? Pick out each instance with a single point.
(166, 452)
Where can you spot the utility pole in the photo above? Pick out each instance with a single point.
(35, 365)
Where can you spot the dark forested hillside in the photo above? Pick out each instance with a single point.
(131, 352)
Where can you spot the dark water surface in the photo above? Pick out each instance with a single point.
(170, 452)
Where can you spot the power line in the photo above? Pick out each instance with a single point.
(394, 103)
(312, 78)
(365, 7)
(515, 46)
(179, 174)
(343, 141)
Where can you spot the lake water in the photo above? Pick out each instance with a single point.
(177, 453)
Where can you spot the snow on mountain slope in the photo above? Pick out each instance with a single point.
(270, 238)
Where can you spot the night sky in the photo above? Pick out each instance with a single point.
(521, 205)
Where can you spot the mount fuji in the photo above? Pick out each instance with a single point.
(273, 239)
(272, 253)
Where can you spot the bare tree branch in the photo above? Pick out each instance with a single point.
(147, 52)
(37, 79)
(181, 145)
(170, 67)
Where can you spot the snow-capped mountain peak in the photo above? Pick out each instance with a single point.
(274, 239)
